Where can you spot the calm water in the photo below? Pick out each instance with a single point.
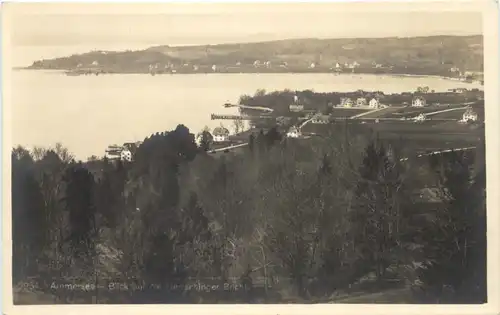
(87, 113)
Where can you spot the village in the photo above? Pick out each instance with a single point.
(267, 66)
(416, 115)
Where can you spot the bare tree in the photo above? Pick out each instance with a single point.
(238, 125)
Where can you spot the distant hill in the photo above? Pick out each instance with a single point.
(417, 55)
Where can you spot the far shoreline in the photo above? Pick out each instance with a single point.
(394, 75)
(64, 71)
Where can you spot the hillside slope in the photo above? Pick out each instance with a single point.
(417, 55)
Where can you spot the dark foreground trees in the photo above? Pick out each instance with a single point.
(455, 240)
(289, 219)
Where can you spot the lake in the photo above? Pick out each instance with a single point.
(88, 113)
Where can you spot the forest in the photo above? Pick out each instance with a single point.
(282, 221)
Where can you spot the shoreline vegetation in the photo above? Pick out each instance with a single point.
(444, 56)
(336, 219)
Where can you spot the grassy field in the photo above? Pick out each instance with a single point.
(385, 112)
(456, 114)
(413, 111)
(347, 112)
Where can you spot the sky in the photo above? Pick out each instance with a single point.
(45, 31)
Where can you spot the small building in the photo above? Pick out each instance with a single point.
(214, 68)
(346, 102)
(420, 118)
(220, 134)
(126, 155)
(361, 102)
(296, 108)
(374, 103)
(294, 132)
(418, 101)
(321, 119)
(116, 152)
(312, 66)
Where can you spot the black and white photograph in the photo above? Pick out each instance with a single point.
(249, 153)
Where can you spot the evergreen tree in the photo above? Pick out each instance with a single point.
(160, 158)
(251, 142)
(205, 139)
(80, 206)
(29, 223)
(272, 136)
(377, 217)
(110, 192)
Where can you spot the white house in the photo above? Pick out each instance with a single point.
(95, 63)
(220, 134)
(312, 65)
(126, 155)
(296, 108)
(420, 118)
(214, 67)
(469, 116)
(361, 102)
(374, 103)
(116, 152)
(418, 101)
(346, 102)
(293, 132)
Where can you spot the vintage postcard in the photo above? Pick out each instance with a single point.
(251, 158)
